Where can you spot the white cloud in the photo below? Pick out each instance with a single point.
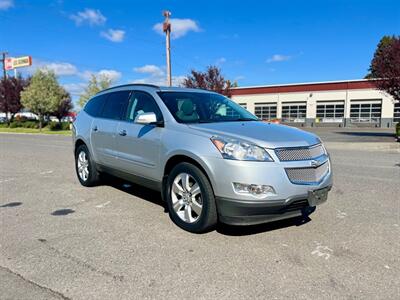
(90, 16)
(59, 68)
(220, 61)
(62, 69)
(6, 4)
(278, 58)
(75, 89)
(113, 35)
(150, 69)
(179, 27)
(113, 75)
(238, 78)
(157, 76)
(161, 81)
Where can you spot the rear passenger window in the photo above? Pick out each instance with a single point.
(95, 105)
(116, 105)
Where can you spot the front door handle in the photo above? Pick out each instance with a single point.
(122, 132)
(95, 128)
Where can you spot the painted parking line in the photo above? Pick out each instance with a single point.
(103, 205)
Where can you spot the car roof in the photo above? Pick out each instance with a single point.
(155, 87)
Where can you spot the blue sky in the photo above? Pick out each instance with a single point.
(254, 42)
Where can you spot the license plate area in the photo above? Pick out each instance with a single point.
(317, 197)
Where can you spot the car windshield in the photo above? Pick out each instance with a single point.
(198, 107)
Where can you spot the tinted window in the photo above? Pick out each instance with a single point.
(141, 102)
(95, 105)
(115, 106)
(197, 107)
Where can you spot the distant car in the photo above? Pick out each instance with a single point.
(211, 159)
(3, 119)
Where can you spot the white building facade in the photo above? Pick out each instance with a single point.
(354, 103)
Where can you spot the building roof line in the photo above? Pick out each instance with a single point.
(301, 83)
(306, 87)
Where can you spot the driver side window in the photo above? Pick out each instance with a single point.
(141, 102)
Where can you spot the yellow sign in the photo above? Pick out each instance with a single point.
(23, 61)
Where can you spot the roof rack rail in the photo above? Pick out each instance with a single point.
(131, 84)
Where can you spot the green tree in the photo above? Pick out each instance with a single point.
(43, 95)
(95, 85)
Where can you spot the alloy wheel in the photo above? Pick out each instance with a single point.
(83, 166)
(186, 198)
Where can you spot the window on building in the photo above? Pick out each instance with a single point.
(244, 105)
(330, 112)
(294, 112)
(265, 111)
(396, 112)
(365, 111)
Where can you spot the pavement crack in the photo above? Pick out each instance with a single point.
(42, 287)
(83, 263)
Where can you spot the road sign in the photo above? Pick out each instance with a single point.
(23, 61)
(8, 63)
(17, 62)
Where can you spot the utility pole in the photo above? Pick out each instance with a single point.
(167, 30)
(3, 60)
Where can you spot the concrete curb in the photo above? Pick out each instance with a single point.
(367, 146)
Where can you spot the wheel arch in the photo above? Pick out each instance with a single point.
(78, 143)
(179, 158)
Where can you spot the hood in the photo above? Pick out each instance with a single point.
(264, 134)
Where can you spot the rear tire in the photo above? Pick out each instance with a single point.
(85, 167)
(190, 199)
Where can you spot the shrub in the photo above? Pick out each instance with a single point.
(15, 124)
(398, 130)
(54, 126)
(24, 124)
(65, 126)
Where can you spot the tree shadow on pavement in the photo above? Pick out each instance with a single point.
(11, 204)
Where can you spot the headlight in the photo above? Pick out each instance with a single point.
(240, 150)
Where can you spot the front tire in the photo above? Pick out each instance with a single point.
(85, 167)
(190, 199)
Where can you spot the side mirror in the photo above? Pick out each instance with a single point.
(147, 118)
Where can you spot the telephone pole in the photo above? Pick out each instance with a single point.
(3, 60)
(167, 30)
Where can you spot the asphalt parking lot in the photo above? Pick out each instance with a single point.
(59, 240)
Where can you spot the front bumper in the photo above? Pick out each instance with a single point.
(244, 212)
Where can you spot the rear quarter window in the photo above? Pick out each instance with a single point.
(95, 105)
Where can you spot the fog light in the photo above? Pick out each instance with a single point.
(253, 189)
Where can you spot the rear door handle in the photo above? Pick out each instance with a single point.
(95, 128)
(122, 132)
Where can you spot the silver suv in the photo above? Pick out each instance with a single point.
(211, 159)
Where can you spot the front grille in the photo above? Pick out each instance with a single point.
(307, 175)
(300, 153)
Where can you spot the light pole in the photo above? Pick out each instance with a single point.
(167, 30)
